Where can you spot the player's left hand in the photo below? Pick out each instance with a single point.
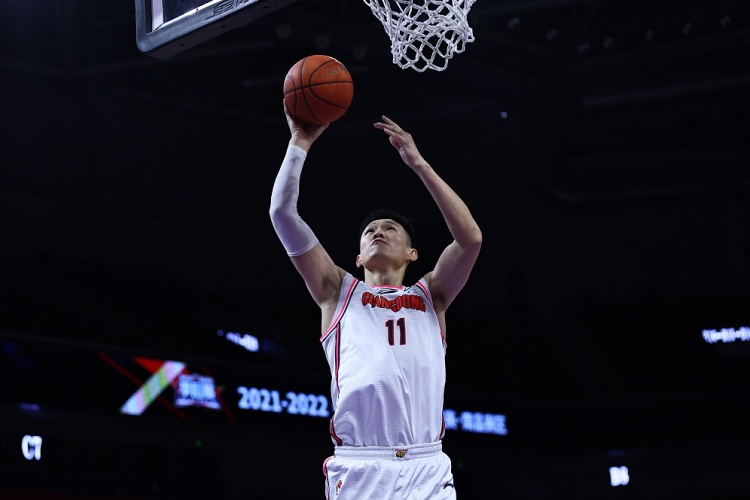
(403, 142)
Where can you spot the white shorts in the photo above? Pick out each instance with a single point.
(410, 473)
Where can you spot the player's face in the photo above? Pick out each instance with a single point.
(384, 238)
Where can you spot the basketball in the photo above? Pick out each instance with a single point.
(318, 89)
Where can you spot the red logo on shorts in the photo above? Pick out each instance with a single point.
(339, 485)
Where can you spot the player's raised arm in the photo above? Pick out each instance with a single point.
(321, 275)
(457, 260)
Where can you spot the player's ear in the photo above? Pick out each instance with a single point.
(412, 255)
(358, 262)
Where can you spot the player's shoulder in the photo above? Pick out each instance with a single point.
(425, 280)
(421, 286)
(433, 295)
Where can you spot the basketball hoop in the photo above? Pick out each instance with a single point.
(424, 34)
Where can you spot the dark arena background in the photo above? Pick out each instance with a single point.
(158, 344)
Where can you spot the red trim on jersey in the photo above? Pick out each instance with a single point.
(325, 473)
(337, 440)
(337, 356)
(335, 325)
(343, 309)
(423, 286)
(337, 362)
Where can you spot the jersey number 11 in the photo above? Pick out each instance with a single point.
(390, 325)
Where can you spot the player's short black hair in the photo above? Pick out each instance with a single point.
(387, 213)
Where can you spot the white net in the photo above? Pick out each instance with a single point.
(424, 34)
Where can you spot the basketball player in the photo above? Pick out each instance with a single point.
(384, 341)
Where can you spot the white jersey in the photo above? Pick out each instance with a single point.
(386, 353)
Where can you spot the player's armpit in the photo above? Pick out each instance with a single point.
(322, 277)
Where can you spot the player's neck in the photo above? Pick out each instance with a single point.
(393, 277)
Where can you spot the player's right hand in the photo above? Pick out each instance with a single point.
(303, 135)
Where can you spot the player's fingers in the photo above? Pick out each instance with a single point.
(391, 123)
(396, 126)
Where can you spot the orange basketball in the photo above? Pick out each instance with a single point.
(318, 89)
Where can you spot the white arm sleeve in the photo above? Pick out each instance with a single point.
(294, 233)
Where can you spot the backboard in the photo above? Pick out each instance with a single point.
(165, 28)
